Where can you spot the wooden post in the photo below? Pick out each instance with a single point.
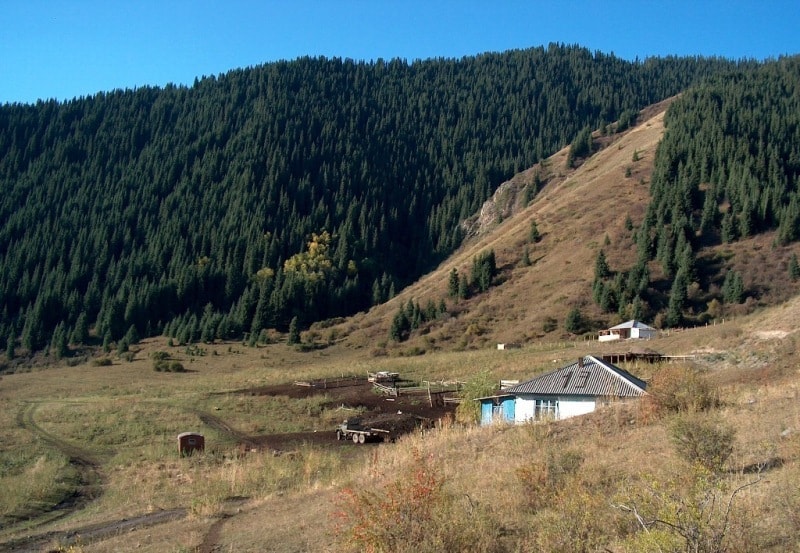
(430, 399)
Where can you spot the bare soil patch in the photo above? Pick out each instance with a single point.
(351, 395)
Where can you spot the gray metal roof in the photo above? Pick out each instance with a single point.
(632, 324)
(588, 376)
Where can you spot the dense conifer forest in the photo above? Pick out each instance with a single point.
(728, 168)
(297, 191)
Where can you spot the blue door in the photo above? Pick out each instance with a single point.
(486, 412)
(508, 409)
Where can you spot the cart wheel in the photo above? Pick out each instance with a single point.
(338, 434)
(355, 438)
(361, 438)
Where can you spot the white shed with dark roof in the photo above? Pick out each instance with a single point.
(576, 389)
(630, 330)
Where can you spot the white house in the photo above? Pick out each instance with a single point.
(630, 330)
(576, 389)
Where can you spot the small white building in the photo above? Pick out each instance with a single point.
(630, 330)
(576, 389)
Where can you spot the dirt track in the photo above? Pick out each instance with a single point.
(90, 484)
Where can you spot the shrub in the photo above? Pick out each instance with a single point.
(543, 479)
(162, 365)
(159, 355)
(480, 385)
(690, 512)
(702, 441)
(102, 362)
(411, 511)
(677, 388)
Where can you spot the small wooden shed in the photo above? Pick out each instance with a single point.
(190, 442)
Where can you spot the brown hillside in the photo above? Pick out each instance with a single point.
(575, 211)
(578, 212)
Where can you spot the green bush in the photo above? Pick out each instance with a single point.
(574, 322)
(102, 362)
(162, 365)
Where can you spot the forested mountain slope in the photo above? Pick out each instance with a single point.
(301, 189)
(727, 170)
(689, 217)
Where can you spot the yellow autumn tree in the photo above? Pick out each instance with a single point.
(314, 263)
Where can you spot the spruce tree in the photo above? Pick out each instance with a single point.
(452, 283)
(794, 268)
(58, 344)
(10, 344)
(526, 258)
(574, 321)
(463, 287)
(80, 332)
(401, 326)
(733, 287)
(601, 268)
(534, 235)
(294, 331)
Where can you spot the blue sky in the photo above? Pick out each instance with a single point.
(59, 49)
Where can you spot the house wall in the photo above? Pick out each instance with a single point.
(572, 407)
(525, 407)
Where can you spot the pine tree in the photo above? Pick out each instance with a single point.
(80, 333)
(132, 336)
(401, 326)
(294, 331)
(534, 235)
(526, 257)
(733, 287)
(601, 268)
(484, 269)
(574, 321)
(677, 300)
(452, 283)
(637, 309)
(12, 338)
(58, 343)
(122, 346)
(794, 268)
(463, 287)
